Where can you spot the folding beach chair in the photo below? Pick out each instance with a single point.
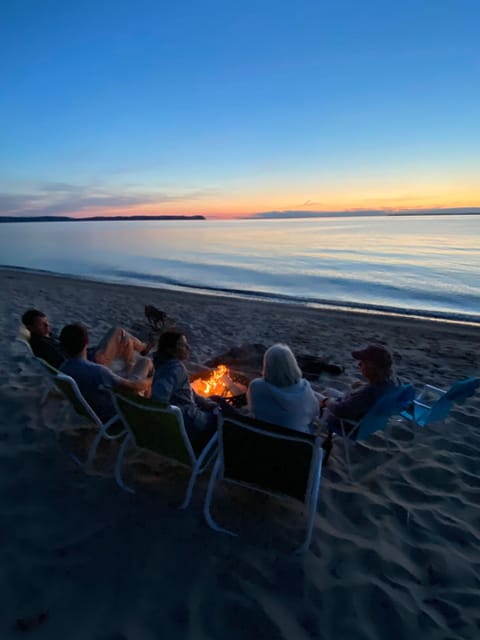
(422, 413)
(160, 429)
(376, 419)
(50, 379)
(52, 372)
(270, 459)
(109, 430)
(22, 339)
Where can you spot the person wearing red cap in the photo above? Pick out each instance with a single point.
(375, 362)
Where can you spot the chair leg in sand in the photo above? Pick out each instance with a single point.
(160, 430)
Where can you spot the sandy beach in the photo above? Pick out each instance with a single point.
(395, 554)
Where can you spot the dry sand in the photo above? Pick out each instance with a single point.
(395, 554)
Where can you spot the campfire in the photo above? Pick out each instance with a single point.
(220, 382)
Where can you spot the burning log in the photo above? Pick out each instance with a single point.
(219, 383)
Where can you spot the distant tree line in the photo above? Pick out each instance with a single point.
(93, 218)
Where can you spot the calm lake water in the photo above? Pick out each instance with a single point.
(419, 264)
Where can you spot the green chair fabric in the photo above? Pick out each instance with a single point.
(159, 429)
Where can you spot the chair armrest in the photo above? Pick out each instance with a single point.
(118, 427)
(429, 388)
(436, 389)
(417, 403)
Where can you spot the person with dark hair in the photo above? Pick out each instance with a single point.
(116, 344)
(171, 386)
(90, 376)
(43, 344)
(375, 362)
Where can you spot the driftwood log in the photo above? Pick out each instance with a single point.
(248, 358)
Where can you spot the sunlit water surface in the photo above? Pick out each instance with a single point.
(422, 264)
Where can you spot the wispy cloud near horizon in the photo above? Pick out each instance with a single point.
(81, 200)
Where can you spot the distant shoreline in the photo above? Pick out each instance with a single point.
(95, 218)
(270, 215)
(302, 215)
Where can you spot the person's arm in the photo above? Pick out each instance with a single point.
(163, 387)
(252, 396)
(137, 386)
(203, 402)
(353, 406)
(314, 405)
(327, 403)
(109, 379)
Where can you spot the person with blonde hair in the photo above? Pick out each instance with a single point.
(282, 396)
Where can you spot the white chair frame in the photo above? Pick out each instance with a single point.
(312, 489)
(101, 427)
(25, 344)
(49, 369)
(52, 373)
(198, 463)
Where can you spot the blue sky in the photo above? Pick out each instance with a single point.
(234, 108)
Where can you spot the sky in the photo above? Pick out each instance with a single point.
(226, 108)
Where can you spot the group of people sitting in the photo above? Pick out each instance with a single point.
(281, 396)
(284, 397)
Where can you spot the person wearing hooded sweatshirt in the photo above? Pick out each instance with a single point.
(282, 396)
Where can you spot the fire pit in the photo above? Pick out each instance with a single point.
(223, 382)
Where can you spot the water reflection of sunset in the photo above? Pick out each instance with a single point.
(423, 262)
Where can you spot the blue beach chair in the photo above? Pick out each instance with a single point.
(422, 413)
(376, 419)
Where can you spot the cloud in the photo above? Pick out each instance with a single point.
(59, 198)
(59, 186)
(13, 202)
(394, 199)
(306, 204)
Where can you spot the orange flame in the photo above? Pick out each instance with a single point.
(215, 384)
